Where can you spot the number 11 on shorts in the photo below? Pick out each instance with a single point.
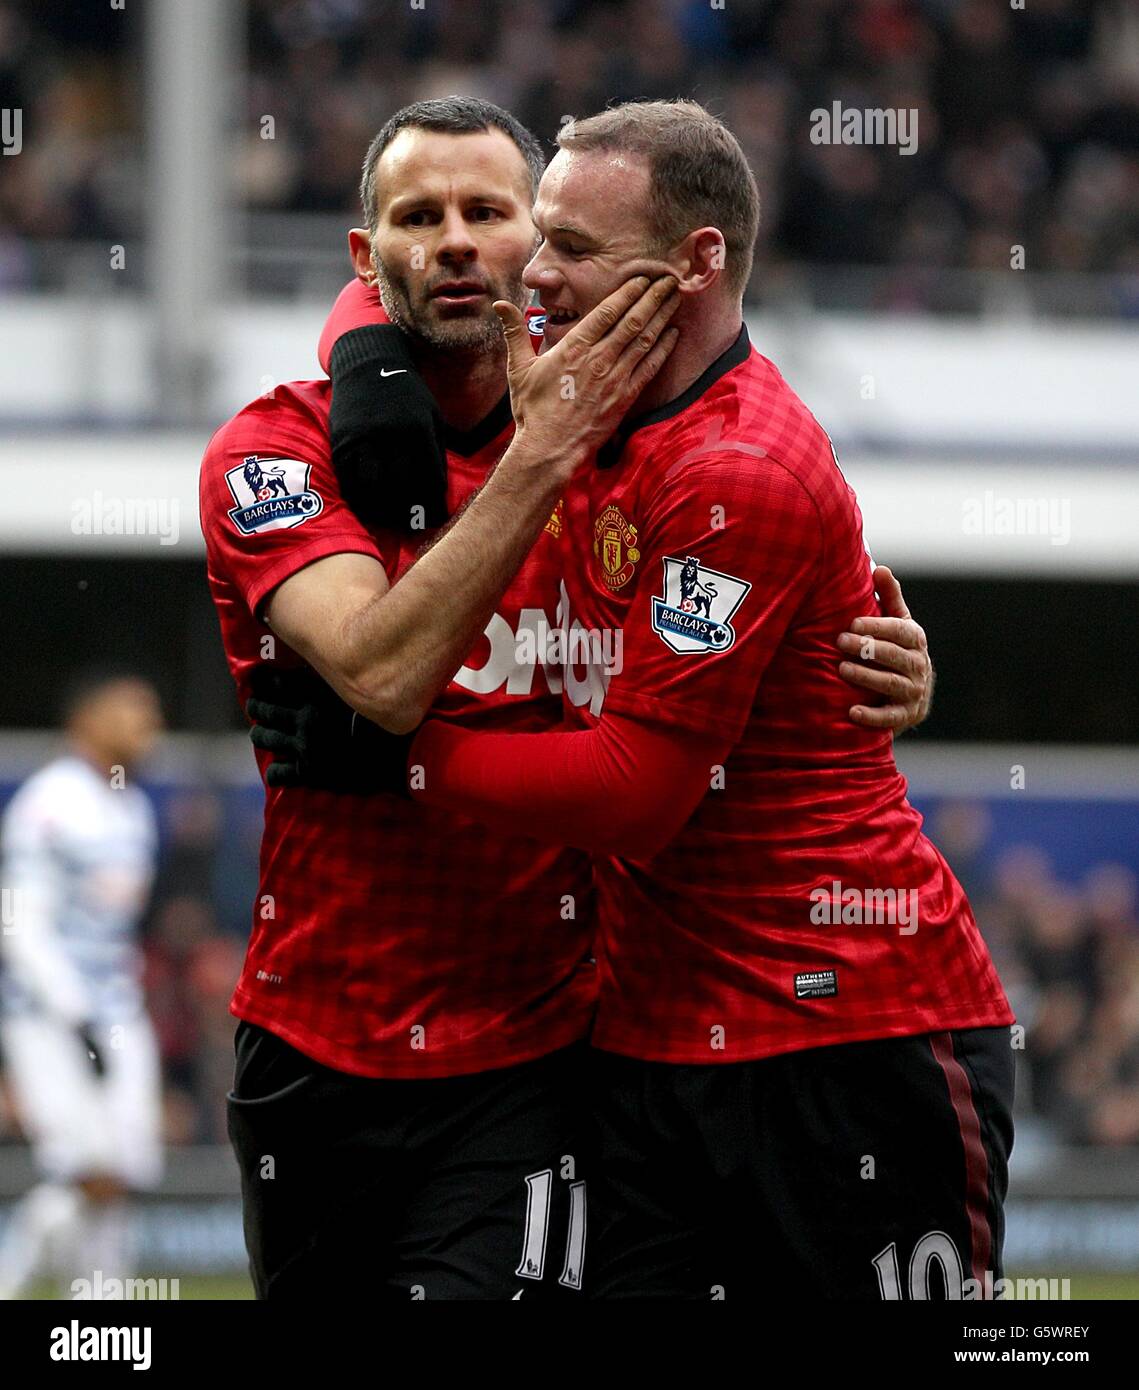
(533, 1262)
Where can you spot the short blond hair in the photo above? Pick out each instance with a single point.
(698, 174)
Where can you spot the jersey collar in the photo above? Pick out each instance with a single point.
(467, 442)
(612, 449)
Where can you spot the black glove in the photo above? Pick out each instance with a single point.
(318, 741)
(86, 1036)
(386, 432)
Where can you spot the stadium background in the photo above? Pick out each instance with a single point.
(962, 319)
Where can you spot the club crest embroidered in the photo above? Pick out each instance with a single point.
(615, 545)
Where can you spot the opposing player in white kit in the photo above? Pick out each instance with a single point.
(78, 844)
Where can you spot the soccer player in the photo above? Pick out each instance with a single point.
(78, 845)
(417, 988)
(803, 1069)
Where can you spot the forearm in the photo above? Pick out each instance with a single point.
(615, 789)
(399, 650)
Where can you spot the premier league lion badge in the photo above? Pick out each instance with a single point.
(271, 494)
(697, 608)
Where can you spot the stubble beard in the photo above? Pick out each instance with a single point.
(475, 334)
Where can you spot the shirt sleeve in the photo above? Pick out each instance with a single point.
(730, 547)
(271, 505)
(357, 305)
(618, 788)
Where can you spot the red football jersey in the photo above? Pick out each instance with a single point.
(390, 939)
(801, 905)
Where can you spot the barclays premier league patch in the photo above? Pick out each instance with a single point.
(695, 613)
(271, 494)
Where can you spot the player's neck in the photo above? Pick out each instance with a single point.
(704, 336)
(466, 385)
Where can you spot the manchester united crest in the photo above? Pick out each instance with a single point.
(615, 545)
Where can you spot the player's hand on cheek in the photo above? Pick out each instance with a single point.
(889, 656)
(570, 399)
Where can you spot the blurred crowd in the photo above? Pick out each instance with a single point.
(1028, 118)
(1068, 956)
(194, 945)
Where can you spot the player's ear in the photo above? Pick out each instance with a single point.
(360, 249)
(699, 260)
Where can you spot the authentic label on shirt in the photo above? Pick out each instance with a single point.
(816, 984)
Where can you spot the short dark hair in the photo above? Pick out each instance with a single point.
(698, 174)
(456, 115)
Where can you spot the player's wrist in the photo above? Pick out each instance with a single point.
(536, 456)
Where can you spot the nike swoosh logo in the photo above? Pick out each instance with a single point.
(397, 371)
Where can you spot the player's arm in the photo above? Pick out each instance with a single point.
(623, 787)
(388, 651)
(316, 746)
(626, 787)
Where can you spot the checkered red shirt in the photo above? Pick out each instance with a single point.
(726, 548)
(390, 939)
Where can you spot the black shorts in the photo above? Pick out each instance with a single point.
(466, 1187)
(864, 1171)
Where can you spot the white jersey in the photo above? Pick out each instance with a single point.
(78, 859)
